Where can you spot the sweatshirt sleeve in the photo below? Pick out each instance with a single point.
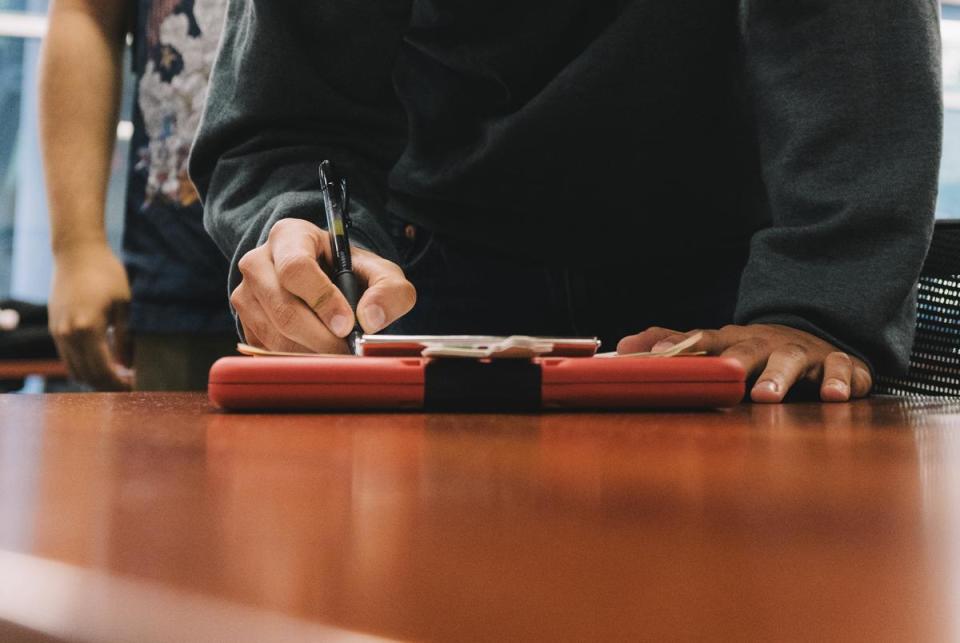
(846, 96)
(296, 83)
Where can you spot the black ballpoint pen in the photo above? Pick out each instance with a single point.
(336, 202)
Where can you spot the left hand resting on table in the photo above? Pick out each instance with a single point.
(780, 355)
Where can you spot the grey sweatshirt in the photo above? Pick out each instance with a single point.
(809, 129)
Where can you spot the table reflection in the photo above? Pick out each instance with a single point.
(935, 425)
(830, 518)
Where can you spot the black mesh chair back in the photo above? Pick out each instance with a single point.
(935, 359)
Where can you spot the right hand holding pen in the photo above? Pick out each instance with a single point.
(286, 302)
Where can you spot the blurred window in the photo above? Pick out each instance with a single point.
(25, 260)
(949, 207)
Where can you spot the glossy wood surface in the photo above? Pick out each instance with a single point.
(15, 369)
(796, 522)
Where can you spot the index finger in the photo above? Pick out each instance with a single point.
(644, 341)
(294, 257)
(712, 342)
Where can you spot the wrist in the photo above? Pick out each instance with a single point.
(67, 249)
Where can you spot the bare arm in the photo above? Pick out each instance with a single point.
(80, 80)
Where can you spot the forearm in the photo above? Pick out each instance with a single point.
(80, 80)
(848, 111)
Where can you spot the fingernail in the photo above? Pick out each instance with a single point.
(769, 386)
(660, 347)
(375, 318)
(341, 325)
(838, 385)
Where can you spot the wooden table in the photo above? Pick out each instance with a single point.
(153, 517)
(15, 369)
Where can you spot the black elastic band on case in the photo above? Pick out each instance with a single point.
(512, 385)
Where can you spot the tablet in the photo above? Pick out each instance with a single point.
(324, 383)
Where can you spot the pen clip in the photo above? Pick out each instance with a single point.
(324, 178)
(345, 202)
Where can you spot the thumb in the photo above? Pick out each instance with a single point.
(645, 341)
(389, 296)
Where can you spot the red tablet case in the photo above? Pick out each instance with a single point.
(396, 383)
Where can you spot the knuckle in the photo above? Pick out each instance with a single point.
(323, 295)
(754, 347)
(840, 357)
(246, 263)
(711, 336)
(279, 228)
(793, 352)
(240, 307)
(79, 329)
(60, 331)
(290, 269)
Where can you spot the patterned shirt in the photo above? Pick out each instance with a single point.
(177, 275)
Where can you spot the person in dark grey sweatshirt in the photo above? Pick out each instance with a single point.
(632, 169)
